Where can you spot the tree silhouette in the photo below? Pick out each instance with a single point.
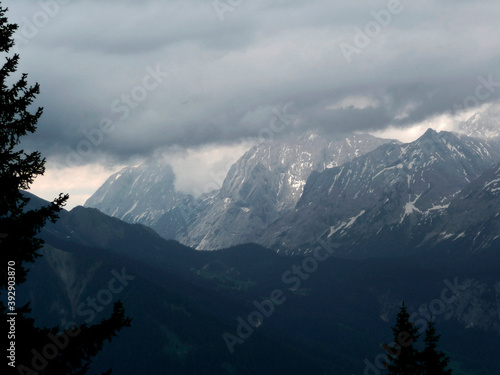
(35, 350)
(404, 357)
(434, 362)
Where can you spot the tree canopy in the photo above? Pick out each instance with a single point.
(32, 349)
(406, 359)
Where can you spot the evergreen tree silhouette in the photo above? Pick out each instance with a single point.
(37, 350)
(434, 362)
(404, 358)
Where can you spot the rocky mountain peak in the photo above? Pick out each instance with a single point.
(392, 187)
(484, 125)
(138, 194)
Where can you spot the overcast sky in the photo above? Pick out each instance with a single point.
(198, 80)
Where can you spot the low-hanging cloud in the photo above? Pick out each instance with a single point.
(221, 78)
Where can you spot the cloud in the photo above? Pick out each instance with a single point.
(81, 182)
(207, 166)
(225, 77)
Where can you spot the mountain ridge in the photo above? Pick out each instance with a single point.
(390, 187)
(296, 193)
(266, 181)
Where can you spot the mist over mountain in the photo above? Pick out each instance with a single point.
(139, 194)
(484, 125)
(377, 197)
(399, 222)
(265, 182)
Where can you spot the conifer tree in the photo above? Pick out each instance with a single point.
(434, 362)
(37, 350)
(404, 360)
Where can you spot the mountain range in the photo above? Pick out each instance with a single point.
(320, 241)
(341, 230)
(259, 188)
(297, 192)
(393, 194)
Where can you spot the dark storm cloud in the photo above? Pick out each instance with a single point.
(128, 77)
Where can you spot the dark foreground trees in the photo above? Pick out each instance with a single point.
(405, 355)
(433, 360)
(405, 359)
(30, 349)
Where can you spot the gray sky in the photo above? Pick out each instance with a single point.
(197, 80)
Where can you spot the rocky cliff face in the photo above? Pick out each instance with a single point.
(481, 125)
(140, 194)
(387, 192)
(377, 197)
(266, 182)
(472, 219)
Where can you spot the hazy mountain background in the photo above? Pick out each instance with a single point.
(296, 191)
(265, 182)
